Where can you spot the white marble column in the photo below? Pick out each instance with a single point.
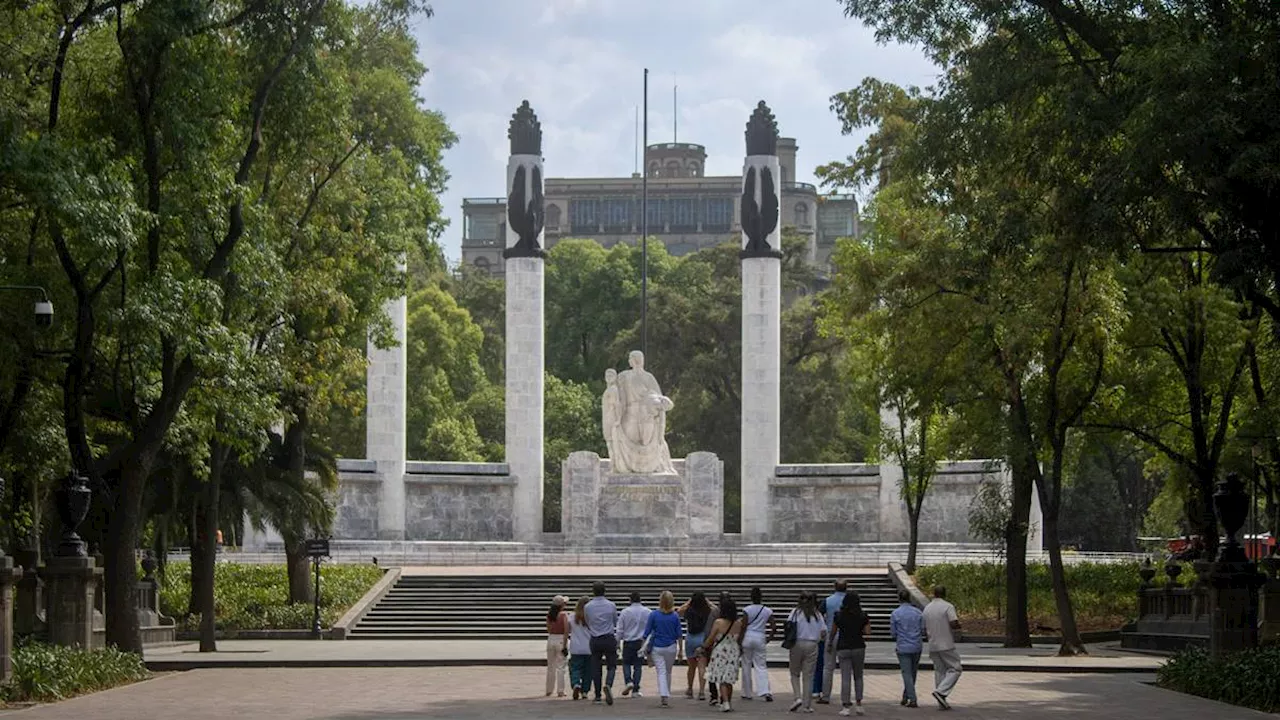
(761, 322)
(524, 279)
(524, 271)
(385, 420)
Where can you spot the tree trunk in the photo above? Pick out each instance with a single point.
(1072, 644)
(207, 523)
(121, 573)
(195, 543)
(913, 538)
(299, 566)
(197, 561)
(1017, 629)
(1204, 522)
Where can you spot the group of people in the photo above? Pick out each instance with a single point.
(722, 644)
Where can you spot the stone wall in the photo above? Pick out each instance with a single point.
(824, 504)
(459, 501)
(852, 503)
(443, 501)
(356, 511)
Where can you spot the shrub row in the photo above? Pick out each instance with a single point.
(1248, 679)
(46, 673)
(256, 597)
(1104, 595)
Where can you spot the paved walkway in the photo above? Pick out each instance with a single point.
(483, 694)
(437, 653)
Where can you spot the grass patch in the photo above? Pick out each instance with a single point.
(255, 597)
(1248, 679)
(1104, 595)
(47, 673)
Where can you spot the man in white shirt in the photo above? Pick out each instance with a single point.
(631, 625)
(941, 622)
(602, 623)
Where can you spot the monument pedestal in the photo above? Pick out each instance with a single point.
(600, 509)
(8, 577)
(70, 583)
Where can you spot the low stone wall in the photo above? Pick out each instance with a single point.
(459, 501)
(861, 503)
(443, 501)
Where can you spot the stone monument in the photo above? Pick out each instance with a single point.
(634, 418)
(761, 321)
(639, 496)
(524, 268)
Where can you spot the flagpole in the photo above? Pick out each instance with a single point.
(644, 227)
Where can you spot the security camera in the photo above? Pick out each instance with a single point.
(44, 313)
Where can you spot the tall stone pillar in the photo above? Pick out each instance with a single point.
(761, 321)
(9, 575)
(525, 320)
(387, 393)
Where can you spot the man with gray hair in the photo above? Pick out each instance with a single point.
(941, 622)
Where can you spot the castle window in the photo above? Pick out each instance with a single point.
(802, 214)
(717, 214)
(552, 219)
(582, 216)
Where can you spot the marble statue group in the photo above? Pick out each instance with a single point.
(634, 420)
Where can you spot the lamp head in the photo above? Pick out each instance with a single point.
(44, 313)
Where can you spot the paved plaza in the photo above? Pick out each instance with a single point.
(1105, 658)
(488, 693)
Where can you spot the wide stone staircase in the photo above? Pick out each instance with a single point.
(422, 607)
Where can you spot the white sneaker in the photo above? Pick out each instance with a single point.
(796, 705)
(844, 712)
(724, 707)
(636, 693)
(857, 710)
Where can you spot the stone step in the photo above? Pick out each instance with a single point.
(461, 607)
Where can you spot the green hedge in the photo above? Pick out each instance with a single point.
(1104, 595)
(1249, 679)
(46, 673)
(254, 597)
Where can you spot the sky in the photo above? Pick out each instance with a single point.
(580, 64)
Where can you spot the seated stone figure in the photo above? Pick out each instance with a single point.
(634, 415)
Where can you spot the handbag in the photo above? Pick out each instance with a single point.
(789, 632)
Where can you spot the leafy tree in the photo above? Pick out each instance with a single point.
(444, 371)
(226, 188)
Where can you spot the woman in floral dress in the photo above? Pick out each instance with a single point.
(724, 647)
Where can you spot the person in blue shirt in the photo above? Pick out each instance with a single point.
(664, 633)
(906, 626)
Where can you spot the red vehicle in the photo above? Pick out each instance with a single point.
(1255, 546)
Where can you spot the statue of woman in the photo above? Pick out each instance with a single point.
(610, 411)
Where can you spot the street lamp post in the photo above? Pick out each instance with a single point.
(43, 308)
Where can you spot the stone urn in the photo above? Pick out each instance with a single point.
(149, 565)
(1172, 570)
(72, 499)
(1231, 505)
(1146, 572)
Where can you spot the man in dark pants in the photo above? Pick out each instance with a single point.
(631, 625)
(602, 623)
